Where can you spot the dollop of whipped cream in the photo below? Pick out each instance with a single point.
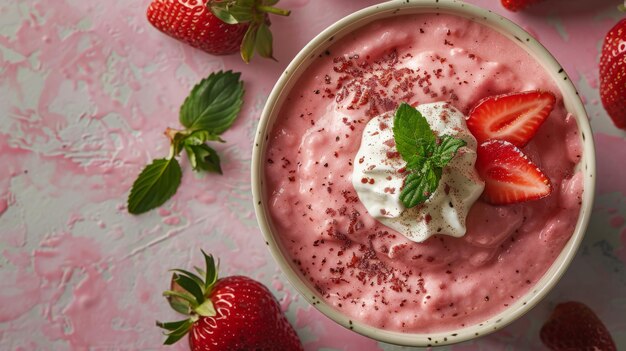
(378, 177)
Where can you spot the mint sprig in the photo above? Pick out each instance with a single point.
(209, 110)
(258, 36)
(425, 154)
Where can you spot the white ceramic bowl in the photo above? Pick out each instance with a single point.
(398, 8)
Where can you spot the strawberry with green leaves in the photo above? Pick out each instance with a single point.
(226, 314)
(574, 326)
(209, 110)
(219, 27)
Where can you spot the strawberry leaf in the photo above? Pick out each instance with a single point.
(155, 185)
(191, 276)
(171, 326)
(258, 36)
(248, 43)
(211, 271)
(264, 41)
(179, 306)
(190, 285)
(221, 10)
(214, 103)
(206, 309)
(178, 333)
(171, 294)
(199, 270)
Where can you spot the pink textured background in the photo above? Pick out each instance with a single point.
(86, 90)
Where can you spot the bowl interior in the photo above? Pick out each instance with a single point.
(397, 8)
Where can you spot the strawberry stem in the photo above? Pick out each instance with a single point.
(273, 10)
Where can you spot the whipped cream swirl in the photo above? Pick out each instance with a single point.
(378, 177)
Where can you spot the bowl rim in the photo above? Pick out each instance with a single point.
(572, 102)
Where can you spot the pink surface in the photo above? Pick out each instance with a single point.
(86, 90)
(366, 270)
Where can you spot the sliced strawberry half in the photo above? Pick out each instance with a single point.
(511, 117)
(509, 175)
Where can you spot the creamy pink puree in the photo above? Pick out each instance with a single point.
(366, 270)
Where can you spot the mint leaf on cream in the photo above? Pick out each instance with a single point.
(447, 148)
(424, 153)
(209, 110)
(419, 186)
(412, 134)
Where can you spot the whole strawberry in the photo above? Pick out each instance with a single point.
(228, 314)
(613, 74)
(219, 27)
(574, 326)
(518, 5)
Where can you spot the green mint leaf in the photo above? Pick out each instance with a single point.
(446, 150)
(200, 137)
(214, 103)
(154, 185)
(203, 158)
(412, 133)
(416, 163)
(419, 186)
(264, 41)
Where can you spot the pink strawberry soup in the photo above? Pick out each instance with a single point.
(366, 270)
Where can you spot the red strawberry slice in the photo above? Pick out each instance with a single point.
(574, 326)
(509, 175)
(511, 117)
(613, 74)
